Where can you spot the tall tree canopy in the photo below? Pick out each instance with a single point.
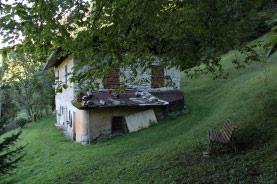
(104, 33)
(29, 87)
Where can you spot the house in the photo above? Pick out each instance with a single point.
(106, 112)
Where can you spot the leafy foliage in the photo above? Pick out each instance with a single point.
(8, 107)
(8, 110)
(128, 33)
(167, 153)
(31, 87)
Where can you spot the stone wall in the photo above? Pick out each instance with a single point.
(147, 81)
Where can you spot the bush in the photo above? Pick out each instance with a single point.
(257, 27)
(21, 122)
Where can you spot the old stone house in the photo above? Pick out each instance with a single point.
(106, 112)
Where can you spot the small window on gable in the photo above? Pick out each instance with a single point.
(157, 76)
(66, 73)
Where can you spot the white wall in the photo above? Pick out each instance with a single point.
(64, 107)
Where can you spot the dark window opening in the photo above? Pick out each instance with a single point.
(70, 119)
(74, 125)
(58, 75)
(119, 125)
(66, 73)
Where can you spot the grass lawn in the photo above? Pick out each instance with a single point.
(171, 152)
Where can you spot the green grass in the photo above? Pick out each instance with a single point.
(171, 152)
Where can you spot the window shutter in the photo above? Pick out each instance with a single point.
(157, 76)
(112, 81)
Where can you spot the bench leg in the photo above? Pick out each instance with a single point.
(234, 147)
(210, 148)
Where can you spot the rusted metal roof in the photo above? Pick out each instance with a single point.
(170, 96)
(129, 98)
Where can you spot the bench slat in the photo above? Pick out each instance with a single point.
(228, 127)
(212, 135)
(224, 135)
(228, 130)
(217, 136)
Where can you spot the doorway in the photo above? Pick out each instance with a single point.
(119, 125)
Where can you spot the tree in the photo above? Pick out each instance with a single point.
(9, 157)
(128, 33)
(32, 87)
(8, 108)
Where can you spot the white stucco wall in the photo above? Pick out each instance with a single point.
(63, 99)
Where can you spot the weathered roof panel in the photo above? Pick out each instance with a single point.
(129, 98)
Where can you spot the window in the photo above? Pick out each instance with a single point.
(66, 73)
(157, 76)
(58, 75)
(60, 111)
(70, 119)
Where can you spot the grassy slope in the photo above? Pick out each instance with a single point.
(171, 151)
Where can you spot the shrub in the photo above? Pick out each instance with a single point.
(257, 27)
(21, 122)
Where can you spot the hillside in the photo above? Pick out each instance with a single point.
(171, 152)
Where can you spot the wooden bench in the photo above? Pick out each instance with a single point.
(223, 136)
